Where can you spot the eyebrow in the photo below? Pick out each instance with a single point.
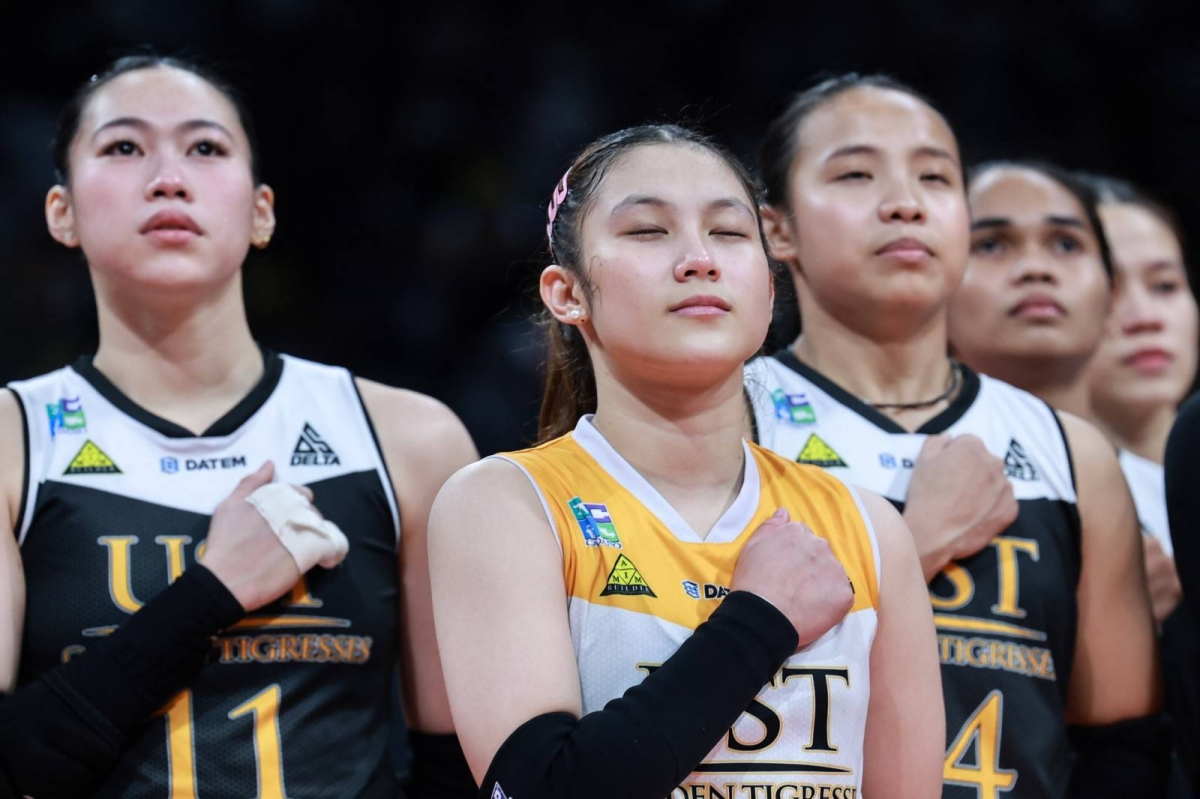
(1164, 265)
(141, 124)
(1002, 221)
(635, 200)
(867, 149)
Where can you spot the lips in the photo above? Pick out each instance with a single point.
(171, 224)
(701, 305)
(1038, 306)
(1149, 360)
(906, 249)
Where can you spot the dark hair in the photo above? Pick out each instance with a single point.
(779, 145)
(570, 386)
(68, 120)
(1115, 191)
(1080, 188)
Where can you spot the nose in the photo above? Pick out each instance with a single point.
(1137, 312)
(697, 263)
(1032, 269)
(167, 182)
(902, 205)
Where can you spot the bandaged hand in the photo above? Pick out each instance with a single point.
(310, 538)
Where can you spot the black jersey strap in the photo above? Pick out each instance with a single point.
(644, 743)
(1123, 759)
(60, 735)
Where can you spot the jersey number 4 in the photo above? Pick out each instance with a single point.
(263, 708)
(982, 729)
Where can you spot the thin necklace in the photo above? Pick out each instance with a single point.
(955, 383)
(956, 379)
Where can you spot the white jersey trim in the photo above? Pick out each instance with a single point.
(727, 528)
(866, 517)
(541, 498)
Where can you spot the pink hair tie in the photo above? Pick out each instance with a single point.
(560, 194)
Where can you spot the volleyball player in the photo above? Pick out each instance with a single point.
(112, 465)
(1041, 614)
(644, 605)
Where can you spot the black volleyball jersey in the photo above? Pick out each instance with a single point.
(1006, 616)
(294, 700)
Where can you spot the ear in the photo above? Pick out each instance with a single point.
(60, 216)
(563, 295)
(781, 241)
(264, 216)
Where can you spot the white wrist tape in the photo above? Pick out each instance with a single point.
(309, 538)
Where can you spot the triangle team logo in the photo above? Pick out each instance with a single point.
(626, 580)
(1017, 464)
(91, 460)
(817, 453)
(311, 450)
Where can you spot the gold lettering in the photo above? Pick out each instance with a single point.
(998, 654)
(174, 545)
(263, 655)
(120, 583)
(300, 596)
(289, 648)
(963, 585)
(1010, 578)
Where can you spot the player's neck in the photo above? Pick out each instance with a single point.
(1061, 383)
(687, 443)
(1143, 434)
(889, 370)
(188, 361)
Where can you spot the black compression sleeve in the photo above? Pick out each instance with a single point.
(644, 743)
(1183, 500)
(62, 733)
(439, 769)
(1123, 759)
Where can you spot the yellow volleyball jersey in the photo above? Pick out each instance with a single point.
(639, 581)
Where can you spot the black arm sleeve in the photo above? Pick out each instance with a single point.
(644, 743)
(439, 769)
(1126, 758)
(60, 735)
(1182, 465)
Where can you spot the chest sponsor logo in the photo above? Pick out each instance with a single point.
(596, 523)
(817, 453)
(66, 416)
(91, 460)
(170, 465)
(1018, 465)
(626, 580)
(704, 591)
(498, 792)
(793, 408)
(890, 461)
(312, 450)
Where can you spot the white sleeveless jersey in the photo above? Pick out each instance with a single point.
(1148, 486)
(116, 504)
(639, 581)
(1006, 616)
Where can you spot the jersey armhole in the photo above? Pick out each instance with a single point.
(1074, 518)
(388, 487)
(1062, 434)
(22, 525)
(866, 517)
(541, 498)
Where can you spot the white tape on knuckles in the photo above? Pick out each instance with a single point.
(309, 538)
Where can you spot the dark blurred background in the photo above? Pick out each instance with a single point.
(413, 149)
